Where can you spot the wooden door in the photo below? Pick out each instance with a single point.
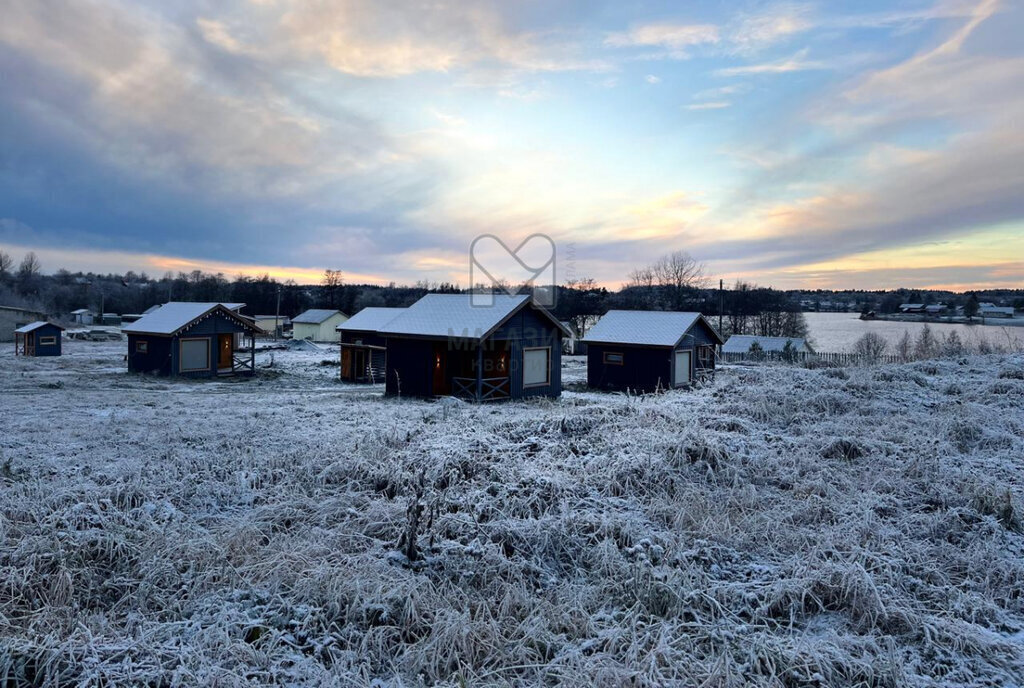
(224, 350)
(360, 364)
(346, 363)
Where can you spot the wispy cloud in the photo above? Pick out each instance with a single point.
(778, 23)
(796, 63)
(674, 40)
(651, 79)
(710, 105)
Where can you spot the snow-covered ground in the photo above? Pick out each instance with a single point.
(779, 527)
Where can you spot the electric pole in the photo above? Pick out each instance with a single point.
(277, 313)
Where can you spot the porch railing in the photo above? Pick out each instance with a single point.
(491, 388)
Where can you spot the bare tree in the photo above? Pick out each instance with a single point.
(28, 273)
(669, 282)
(332, 282)
(6, 264)
(871, 346)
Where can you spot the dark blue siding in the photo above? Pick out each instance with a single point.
(157, 358)
(47, 330)
(162, 357)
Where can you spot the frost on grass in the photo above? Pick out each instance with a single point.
(779, 527)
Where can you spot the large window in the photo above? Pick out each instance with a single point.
(195, 355)
(537, 367)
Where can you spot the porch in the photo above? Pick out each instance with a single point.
(480, 373)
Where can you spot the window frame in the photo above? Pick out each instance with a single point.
(547, 377)
(141, 346)
(621, 355)
(181, 358)
(47, 340)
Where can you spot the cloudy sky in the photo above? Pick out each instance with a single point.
(831, 144)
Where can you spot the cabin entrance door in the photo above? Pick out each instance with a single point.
(30, 344)
(225, 348)
(682, 368)
(359, 357)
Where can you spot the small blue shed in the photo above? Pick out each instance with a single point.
(445, 345)
(41, 338)
(192, 340)
(643, 351)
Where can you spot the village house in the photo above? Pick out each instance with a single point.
(11, 318)
(363, 347)
(741, 347)
(273, 325)
(191, 340)
(41, 338)
(317, 325)
(644, 351)
(444, 345)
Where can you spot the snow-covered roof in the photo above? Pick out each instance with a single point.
(915, 306)
(1005, 310)
(315, 316)
(176, 315)
(32, 327)
(80, 311)
(370, 319)
(152, 309)
(454, 315)
(643, 328)
(741, 343)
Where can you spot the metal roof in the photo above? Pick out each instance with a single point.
(741, 343)
(370, 319)
(315, 316)
(172, 317)
(32, 327)
(644, 328)
(454, 315)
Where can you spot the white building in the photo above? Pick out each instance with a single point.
(318, 325)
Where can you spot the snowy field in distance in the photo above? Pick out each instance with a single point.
(779, 527)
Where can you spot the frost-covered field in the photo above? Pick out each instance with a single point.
(781, 527)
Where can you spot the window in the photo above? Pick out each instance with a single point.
(612, 358)
(536, 366)
(47, 341)
(195, 355)
(706, 356)
(142, 347)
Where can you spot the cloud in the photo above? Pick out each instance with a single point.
(651, 79)
(710, 105)
(754, 32)
(673, 39)
(796, 63)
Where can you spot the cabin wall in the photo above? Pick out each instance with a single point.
(410, 367)
(12, 319)
(156, 360)
(528, 329)
(643, 369)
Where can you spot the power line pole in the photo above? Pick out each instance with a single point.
(721, 304)
(277, 313)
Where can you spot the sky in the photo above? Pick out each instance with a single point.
(799, 145)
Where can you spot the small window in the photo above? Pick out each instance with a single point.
(195, 355)
(612, 358)
(706, 356)
(47, 341)
(142, 347)
(536, 367)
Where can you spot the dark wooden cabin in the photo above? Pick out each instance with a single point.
(443, 345)
(192, 340)
(41, 338)
(643, 351)
(363, 347)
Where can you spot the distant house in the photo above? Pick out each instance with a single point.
(363, 347)
(936, 309)
(38, 339)
(741, 347)
(11, 318)
(989, 310)
(83, 316)
(318, 325)
(912, 308)
(648, 350)
(272, 324)
(571, 345)
(444, 345)
(191, 340)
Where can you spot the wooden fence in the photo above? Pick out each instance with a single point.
(801, 358)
